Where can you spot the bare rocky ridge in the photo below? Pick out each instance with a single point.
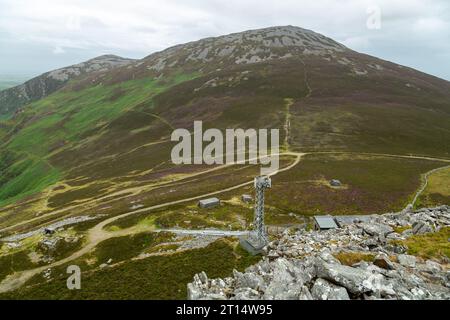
(214, 55)
(249, 47)
(39, 87)
(302, 265)
(274, 45)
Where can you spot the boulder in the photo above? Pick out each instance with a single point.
(294, 291)
(421, 227)
(249, 280)
(348, 277)
(335, 183)
(382, 261)
(432, 266)
(370, 243)
(407, 260)
(377, 229)
(245, 294)
(214, 296)
(196, 289)
(325, 290)
(288, 282)
(377, 284)
(326, 256)
(356, 280)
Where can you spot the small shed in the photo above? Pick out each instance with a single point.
(324, 223)
(209, 203)
(335, 183)
(246, 198)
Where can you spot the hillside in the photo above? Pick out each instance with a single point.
(41, 86)
(340, 101)
(94, 155)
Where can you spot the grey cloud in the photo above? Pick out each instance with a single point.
(414, 32)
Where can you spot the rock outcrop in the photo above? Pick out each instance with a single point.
(303, 264)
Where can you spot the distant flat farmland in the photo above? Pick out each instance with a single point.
(8, 81)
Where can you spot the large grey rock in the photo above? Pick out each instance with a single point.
(325, 290)
(294, 291)
(355, 280)
(407, 260)
(370, 243)
(348, 277)
(377, 229)
(421, 227)
(287, 282)
(194, 292)
(249, 280)
(383, 261)
(197, 289)
(432, 266)
(328, 257)
(246, 294)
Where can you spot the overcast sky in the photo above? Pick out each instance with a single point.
(40, 35)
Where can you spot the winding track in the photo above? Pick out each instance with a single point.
(97, 234)
(424, 185)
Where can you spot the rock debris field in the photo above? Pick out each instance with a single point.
(304, 265)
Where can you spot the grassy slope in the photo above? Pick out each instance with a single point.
(437, 191)
(429, 246)
(59, 122)
(396, 110)
(370, 184)
(158, 277)
(98, 132)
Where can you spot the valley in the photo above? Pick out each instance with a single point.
(142, 221)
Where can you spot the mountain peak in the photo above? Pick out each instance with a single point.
(247, 47)
(109, 58)
(100, 63)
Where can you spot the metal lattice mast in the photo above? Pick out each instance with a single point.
(259, 234)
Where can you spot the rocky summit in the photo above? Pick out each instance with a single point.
(311, 265)
(247, 47)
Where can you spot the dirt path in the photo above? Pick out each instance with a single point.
(306, 79)
(288, 104)
(424, 186)
(287, 125)
(126, 192)
(383, 155)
